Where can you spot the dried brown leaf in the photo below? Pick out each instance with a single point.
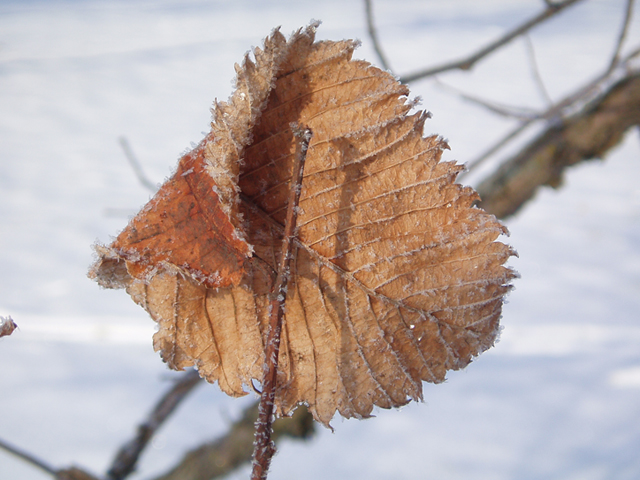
(397, 277)
(7, 326)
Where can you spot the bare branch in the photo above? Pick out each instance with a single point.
(36, 462)
(499, 109)
(135, 164)
(127, 457)
(570, 105)
(220, 457)
(589, 135)
(264, 448)
(469, 62)
(73, 473)
(374, 35)
(615, 59)
(535, 71)
(475, 163)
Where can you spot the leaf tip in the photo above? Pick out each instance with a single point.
(7, 326)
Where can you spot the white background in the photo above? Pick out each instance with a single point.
(557, 398)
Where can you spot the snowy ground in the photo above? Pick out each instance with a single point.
(557, 398)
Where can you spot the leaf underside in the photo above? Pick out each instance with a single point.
(396, 279)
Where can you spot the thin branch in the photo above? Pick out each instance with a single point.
(615, 59)
(520, 113)
(127, 457)
(499, 109)
(591, 134)
(560, 111)
(368, 5)
(36, 462)
(73, 473)
(220, 457)
(469, 62)
(135, 164)
(264, 448)
(535, 71)
(475, 163)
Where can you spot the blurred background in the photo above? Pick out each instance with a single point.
(557, 398)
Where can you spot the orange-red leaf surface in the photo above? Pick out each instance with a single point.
(396, 278)
(7, 326)
(185, 225)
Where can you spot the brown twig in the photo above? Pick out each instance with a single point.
(264, 448)
(499, 109)
(222, 456)
(373, 33)
(570, 105)
(615, 59)
(535, 71)
(469, 62)
(135, 164)
(589, 135)
(27, 457)
(73, 473)
(126, 459)
(520, 113)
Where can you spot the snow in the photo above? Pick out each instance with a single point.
(557, 398)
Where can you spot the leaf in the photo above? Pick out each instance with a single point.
(397, 277)
(7, 326)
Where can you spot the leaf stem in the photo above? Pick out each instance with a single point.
(264, 448)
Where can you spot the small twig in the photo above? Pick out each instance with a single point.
(475, 163)
(615, 59)
(469, 62)
(585, 96)
(264, 448)
(535, 71)
(592, 134)
(520, 113)
(135, 164)
(127, 457)
(220, 457)
(373, 33)
(36, 462)
(499, 109)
